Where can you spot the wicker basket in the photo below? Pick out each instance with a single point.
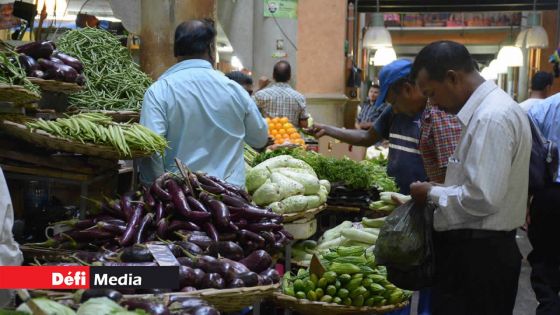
(48, 141)
(122, 116)
(226, 300)
(307, 214)
(56, 86)
(311, 308)
(17, 94)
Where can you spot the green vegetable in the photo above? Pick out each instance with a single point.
(376, 288)
(347, 301)
(313, 277)
(367, 282)
(325, 183)
(330, 276)
(288, 187)
(343, 293)
(99, 306)
(345, 278)
(319, 293)
(358, 301)
(337, 284)
(358, 291)
(308, 285)
(322, 283)
(356, 260)
(396, 297)
(369, 302)
(353, 284)
(350, 251)
(331, 290)
(310, 183)
(312, 296)
(114, 80)
(380, 301)
(49, 307)
(373, 223)
(268, 193)
(376, 278)
(14, 74)
(327, 299)
(296, 203)
(335, 231)
(299, 285)
(331, 243)
(359, 236)
(301, 295)
(340, 268)
(337, 300)
(256, 178)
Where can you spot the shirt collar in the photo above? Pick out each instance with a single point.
(187, 64)
(478, 96)
(281, 84)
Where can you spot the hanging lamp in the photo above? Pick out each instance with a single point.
(377, 36)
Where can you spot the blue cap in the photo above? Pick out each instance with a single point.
(390, 74)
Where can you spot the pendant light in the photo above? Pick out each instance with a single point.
(535, 36)
(498, 67)
(511, 56)
(384, 56)
(489, 74)
(377, 35)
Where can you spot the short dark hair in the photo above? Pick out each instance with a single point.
(375, 86)
(439, 57)
(194, 37)
(541, 80)
(398, 85)
(282, 71)
(240, 77)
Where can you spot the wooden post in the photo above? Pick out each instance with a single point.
(159, 20)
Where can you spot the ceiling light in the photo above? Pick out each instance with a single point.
(537, 37)
(511, 56)
(377, 35)
(489, 74)
(384, 56)
(498, 67)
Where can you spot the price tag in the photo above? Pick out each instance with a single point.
(162, 255)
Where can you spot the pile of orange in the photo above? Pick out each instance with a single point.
(283, 132)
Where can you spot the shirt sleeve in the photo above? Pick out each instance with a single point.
(486, 171)
(383, 123)
(537, 114)
(303, 108)
(446, 132)
(256, 129)
(153, 116)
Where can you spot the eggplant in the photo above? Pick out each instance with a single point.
(233, 201)
(253, 213)
(212, 280)
(144, 224)
(59, 72)
(37, 49)
(136, 253)
(196, 205)
(287, 234)
(178, 197)
(203, 262)
(149, 200)
(210, 230)
(186, 261)
(186, 189)
(227, 236)
(81, 80)
(235, 189)
(199, 275)
(205, 310)
(157, 188)
(242, 223)
(70, 61)
(108, 219)
(89, 235)
(188, 289)
(176, 250)
(250, 278)
(129, 264)
(264, 226)
(190, 247)
(37, 74)
(94, 293)
(272, 274)
(151, 308)
(193, 180)
(182, 225)
(258, 261)
(128, 235)
(116, 229)
(126, 205)
(245, 236)
(220, 213)
(268, 237)
(55, 60)
(161, 228)
(264, 280)
(236, 283)
(113, 208)
(188, 277)
(228, 250)
(28, 63)
(204, 180)
(232, 268)
(212, 189)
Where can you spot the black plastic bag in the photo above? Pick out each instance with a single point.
(405, 246)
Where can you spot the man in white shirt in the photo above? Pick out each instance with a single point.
(541, 85)
(483, 199)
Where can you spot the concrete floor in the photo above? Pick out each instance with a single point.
(525, 303)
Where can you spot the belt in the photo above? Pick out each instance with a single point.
(467, 234)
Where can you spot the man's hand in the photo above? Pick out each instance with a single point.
(397, 200)
(419, 192)
(317, 130)
(263, 82)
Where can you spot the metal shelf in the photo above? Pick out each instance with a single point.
(452, 28)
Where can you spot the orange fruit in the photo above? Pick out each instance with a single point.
(267, 119)
(278, 141)
(300, 142)
(291, 130)
(284, 119)
(278, 126)
(282, 131)
(275, 120)
(274, 132)
(287, 126)
(294, 136)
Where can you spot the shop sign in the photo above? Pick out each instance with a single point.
(281, 8)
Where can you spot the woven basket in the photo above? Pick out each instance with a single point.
(17, 94)
(320, 308)
(121, 116)
(56, 86)
(226, 300)
(48, 141)
(307, 214)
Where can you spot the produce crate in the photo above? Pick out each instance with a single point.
(56, 86)
(307, 214)
(320, 308)
(17, 94)
(302, 229)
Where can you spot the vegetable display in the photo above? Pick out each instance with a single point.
(386, 202)
(286, 185)
(114, 80)
(12, 73)
(42, 60)
(351, 278)
(283, 132)
(366, 174)
(100, 129)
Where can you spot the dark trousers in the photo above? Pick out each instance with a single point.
(544, 235)
(476, 273)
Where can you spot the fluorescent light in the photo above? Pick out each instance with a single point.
(498, 67)
(384, 56)
(511, 56)
(236, 63)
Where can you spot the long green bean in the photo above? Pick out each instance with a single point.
(12, 73)
(114, 80)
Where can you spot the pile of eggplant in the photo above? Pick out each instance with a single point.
(41, 60)
(177, 305)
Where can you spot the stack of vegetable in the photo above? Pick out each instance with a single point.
(12, 73)
(100, 129)
(286, 185)
(109, 302)
(351, 279)
(41, 60)
(114, 80)
(283, 132)
(386, 203)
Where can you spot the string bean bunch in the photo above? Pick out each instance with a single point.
(100, 129)
(114, 80)
(12, 73)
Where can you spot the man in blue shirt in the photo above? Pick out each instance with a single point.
(544, 213)
(205, 116)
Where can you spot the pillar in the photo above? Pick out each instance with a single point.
(159, 20)
(320, 58)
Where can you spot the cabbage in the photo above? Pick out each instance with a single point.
(48, 306)
(100, 306)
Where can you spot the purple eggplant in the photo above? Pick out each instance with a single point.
(272, 274)
(201, 240)
(182, 225)
(89, 235)
(113, 208)
(55, 60)
(193, 180)
(245, 236)
(233, 201)
(220, 213)
(236, 283)
(116, 229)
(81, 80)
(151, 308)
(136, 253)
(141, 230)
(186, 261)
(37, 74)
(196, 205)
(228, 250)
(250, 278)
(95, 293)
(190, 247)
(188, 277)
(186, 189)
(157, 188)
(258, 261)
(264, 280)
(126, 205)
(253, 213)
(264, 226)
(70, 61)
(178, 197)
(132, 227)
(149, 200)
(227, 236)
(212, 280)
(159, 211)
(59, 72)
(161, 228)
(28, 63)
(37, 49)
(210, 230)
(203, 262)
(287, 234)
(241, 223)
(212, 189)
(168, 209)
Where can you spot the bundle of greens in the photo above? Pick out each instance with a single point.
(114, 80)
(12, 73)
